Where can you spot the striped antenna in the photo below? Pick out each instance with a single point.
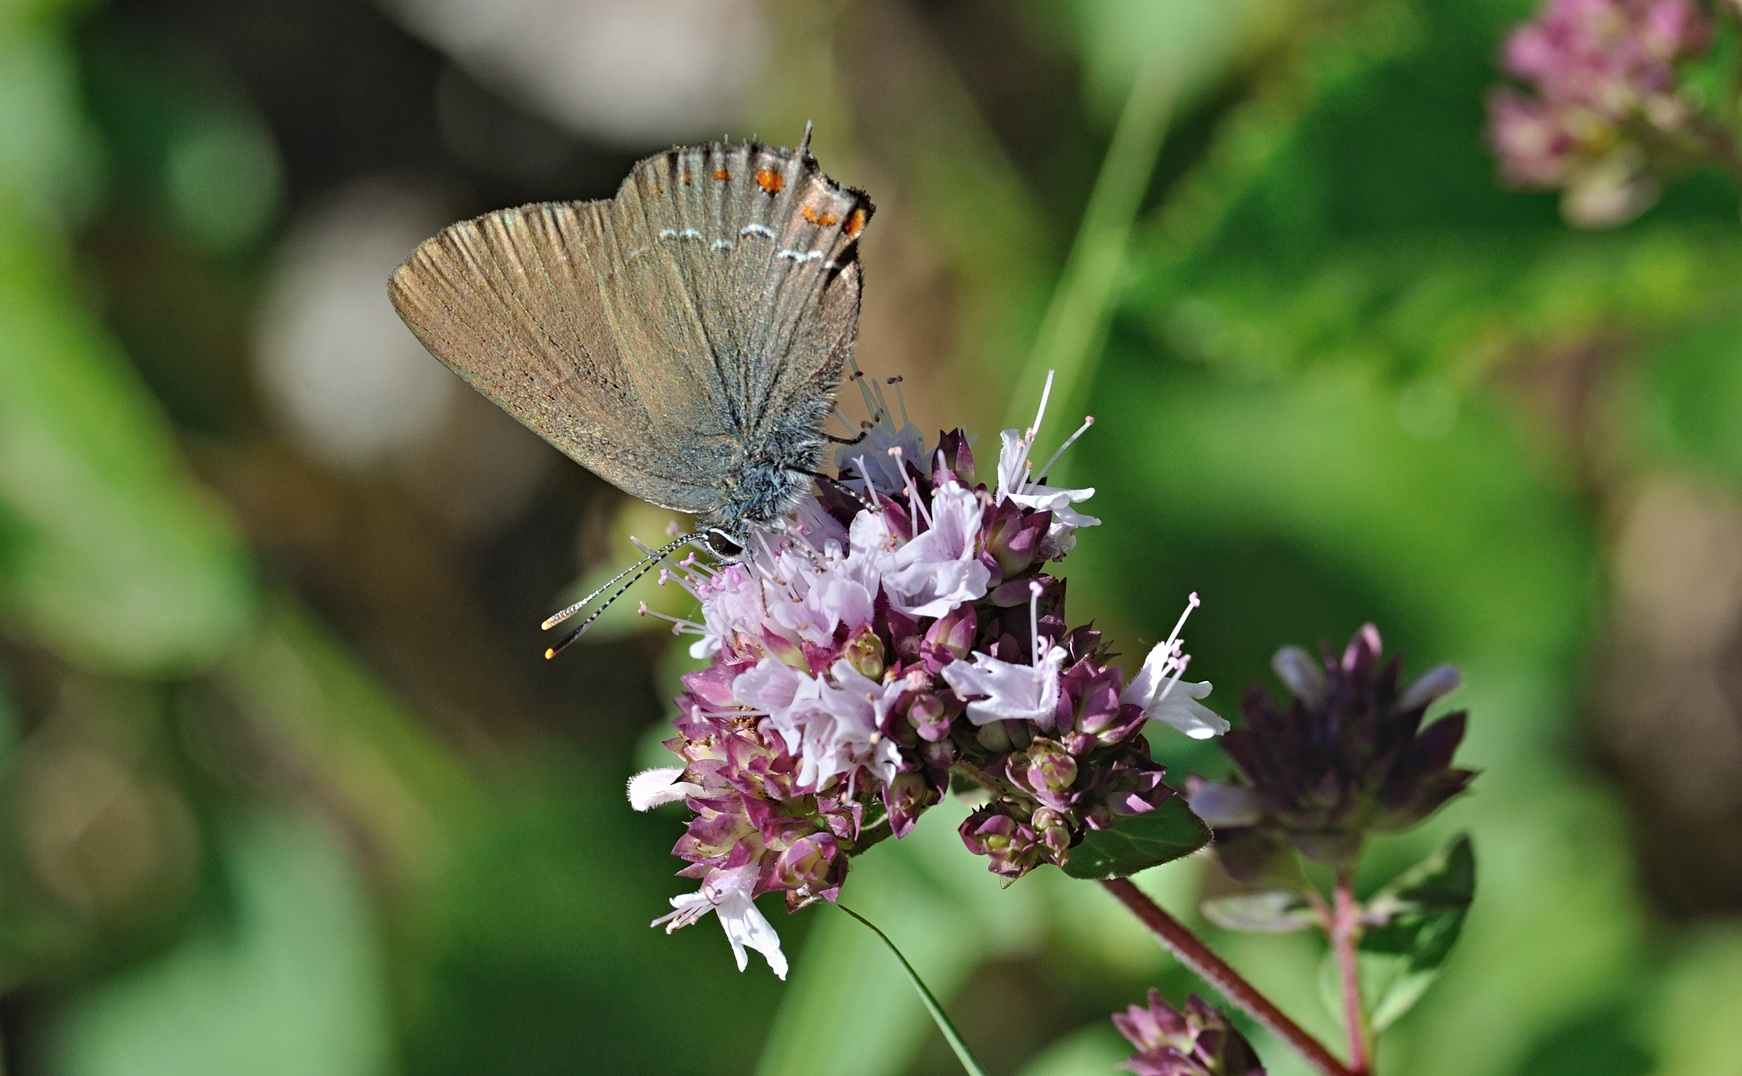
(633, 574)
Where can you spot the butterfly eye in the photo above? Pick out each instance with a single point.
(722, 544)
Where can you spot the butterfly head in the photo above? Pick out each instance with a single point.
(724, 543)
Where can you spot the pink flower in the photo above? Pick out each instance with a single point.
(1159, 692)
(1605, 113)
(844, 653)
(834, 728)
(1017, 483)
(935, 571)
(771, 687)
(881, 457)
(1002, 691)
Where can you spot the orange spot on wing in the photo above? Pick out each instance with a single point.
(855, 223)
(686, 177)
(722, 174)
(770, 180)
(821, 219)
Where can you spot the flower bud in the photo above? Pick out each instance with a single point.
(1008, 844)
(906, 798)
(1044, 768)
(1347, 756)
(930, 718)
(1013, 537)
(813, 865)
(957, 456)
(1197, 1042)
(864, 652)
(953, 632)
(1053, 830)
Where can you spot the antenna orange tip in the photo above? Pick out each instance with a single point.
(549, 653)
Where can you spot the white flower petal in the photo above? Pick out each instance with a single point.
(746, 926)
(728, 894)
(1222, 804)
(1437, 681)
(1182, 710)
(1012, 463)
(650, 788)
(1169, 701)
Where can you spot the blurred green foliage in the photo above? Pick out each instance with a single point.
(239, 837)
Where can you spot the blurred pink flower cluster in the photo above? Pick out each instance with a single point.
(903, 631)
(1603, 103)
(1194, 1041)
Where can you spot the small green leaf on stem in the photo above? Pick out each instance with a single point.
(1267, 911)
(1412, 925)
(1139, 842)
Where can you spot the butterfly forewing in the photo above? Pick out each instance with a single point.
(666, 339)
(512, 301)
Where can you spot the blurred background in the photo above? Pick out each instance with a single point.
(286, 787)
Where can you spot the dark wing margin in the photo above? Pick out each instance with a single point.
(516, 303)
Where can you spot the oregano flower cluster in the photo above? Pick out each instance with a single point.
(904, 633)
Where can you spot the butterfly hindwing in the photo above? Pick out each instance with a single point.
(765, 247)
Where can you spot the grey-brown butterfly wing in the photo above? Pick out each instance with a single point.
(525, 305)
(760, 249)
(683, 340)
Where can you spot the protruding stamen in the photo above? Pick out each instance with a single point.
(1034, 589)
(882, 410)
(1088, 420)
(915, 503)
(1040, 413)
(1192, 603)
(1179, 671)
(679, 625)
(900, 400)
(865, 390)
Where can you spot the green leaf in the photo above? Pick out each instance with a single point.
(1139, 842)
(1417, 919)
(1269, 911)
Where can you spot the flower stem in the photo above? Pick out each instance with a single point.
(1345, 934)
(1194, 954)
(964, 1056)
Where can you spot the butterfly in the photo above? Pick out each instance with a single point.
(683, 340)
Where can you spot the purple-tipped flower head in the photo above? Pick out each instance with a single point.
(1347, 755)
(1605, 112)
(1196, 1042)
(902, 630)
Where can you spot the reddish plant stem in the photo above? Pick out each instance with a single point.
(1194, 954)
(1345, 935)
